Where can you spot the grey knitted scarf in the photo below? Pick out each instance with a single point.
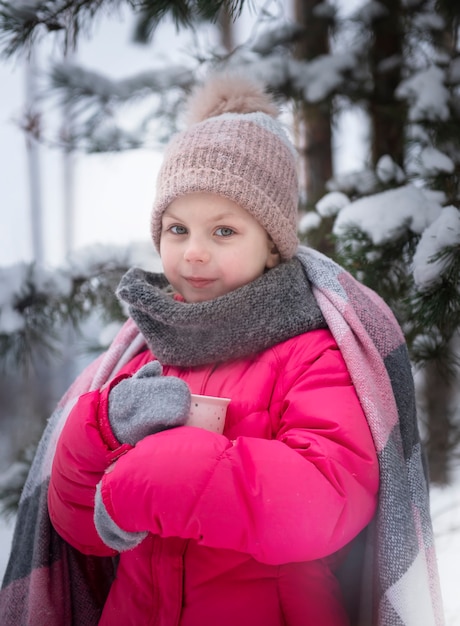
(273, 308)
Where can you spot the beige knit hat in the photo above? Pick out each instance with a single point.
(234, 147)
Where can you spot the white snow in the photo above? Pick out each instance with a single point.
(6, 533)
(274, 34)
(361, 182)
(445, 510)
(372, 10)
(434, 161)
(385, 215)
(444, 231)
(430, 20)
(387, 170)
(87, 81)
(427, 94)
(320, 77)
(309, 221)
(332, 203)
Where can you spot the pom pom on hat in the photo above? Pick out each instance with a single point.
(234, 147)
(227, 94)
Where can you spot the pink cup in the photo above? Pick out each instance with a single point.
(208, 412)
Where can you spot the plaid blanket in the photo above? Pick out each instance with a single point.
(48, 583)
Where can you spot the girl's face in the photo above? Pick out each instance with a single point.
(210, 246)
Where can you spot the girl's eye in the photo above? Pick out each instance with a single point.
(224, 231)
(178, 230)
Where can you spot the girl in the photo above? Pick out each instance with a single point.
(252, 526)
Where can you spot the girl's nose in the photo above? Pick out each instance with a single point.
(196, 251)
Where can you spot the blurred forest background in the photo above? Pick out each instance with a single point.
(395, 223)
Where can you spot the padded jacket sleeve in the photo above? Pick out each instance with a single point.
(82, 456)
(301, 496)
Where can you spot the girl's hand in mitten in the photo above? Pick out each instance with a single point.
(147, 403)
(159, 486)
(111, 534)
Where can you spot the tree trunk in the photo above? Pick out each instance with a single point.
(313, 121)
(439, 405)
(388, 115)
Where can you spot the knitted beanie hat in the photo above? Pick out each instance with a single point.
(234, 147)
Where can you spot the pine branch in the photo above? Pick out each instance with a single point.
(96, 101)
(34, 324)
(75, 83)
(44, 303)
(184, 13)
(21, 23)
(437, 311)
(429, 317)
(385, 268)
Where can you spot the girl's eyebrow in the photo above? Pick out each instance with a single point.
(170, 215)
(214, 218)
(223, 216)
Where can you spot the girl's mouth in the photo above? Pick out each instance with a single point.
(199, 283)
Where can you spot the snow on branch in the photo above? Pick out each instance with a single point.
(274, 35)
(75, 83)
(321, 77)
(36, 302)
(114, 115)
(385, 215)
(434, 252)
(427, 95)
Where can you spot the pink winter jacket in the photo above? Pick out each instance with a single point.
(244, 529)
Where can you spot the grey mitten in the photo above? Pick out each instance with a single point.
(111, 534)
(147, 403)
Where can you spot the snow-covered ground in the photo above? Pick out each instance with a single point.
(6, 531)
(446, 518)
(445, 507)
